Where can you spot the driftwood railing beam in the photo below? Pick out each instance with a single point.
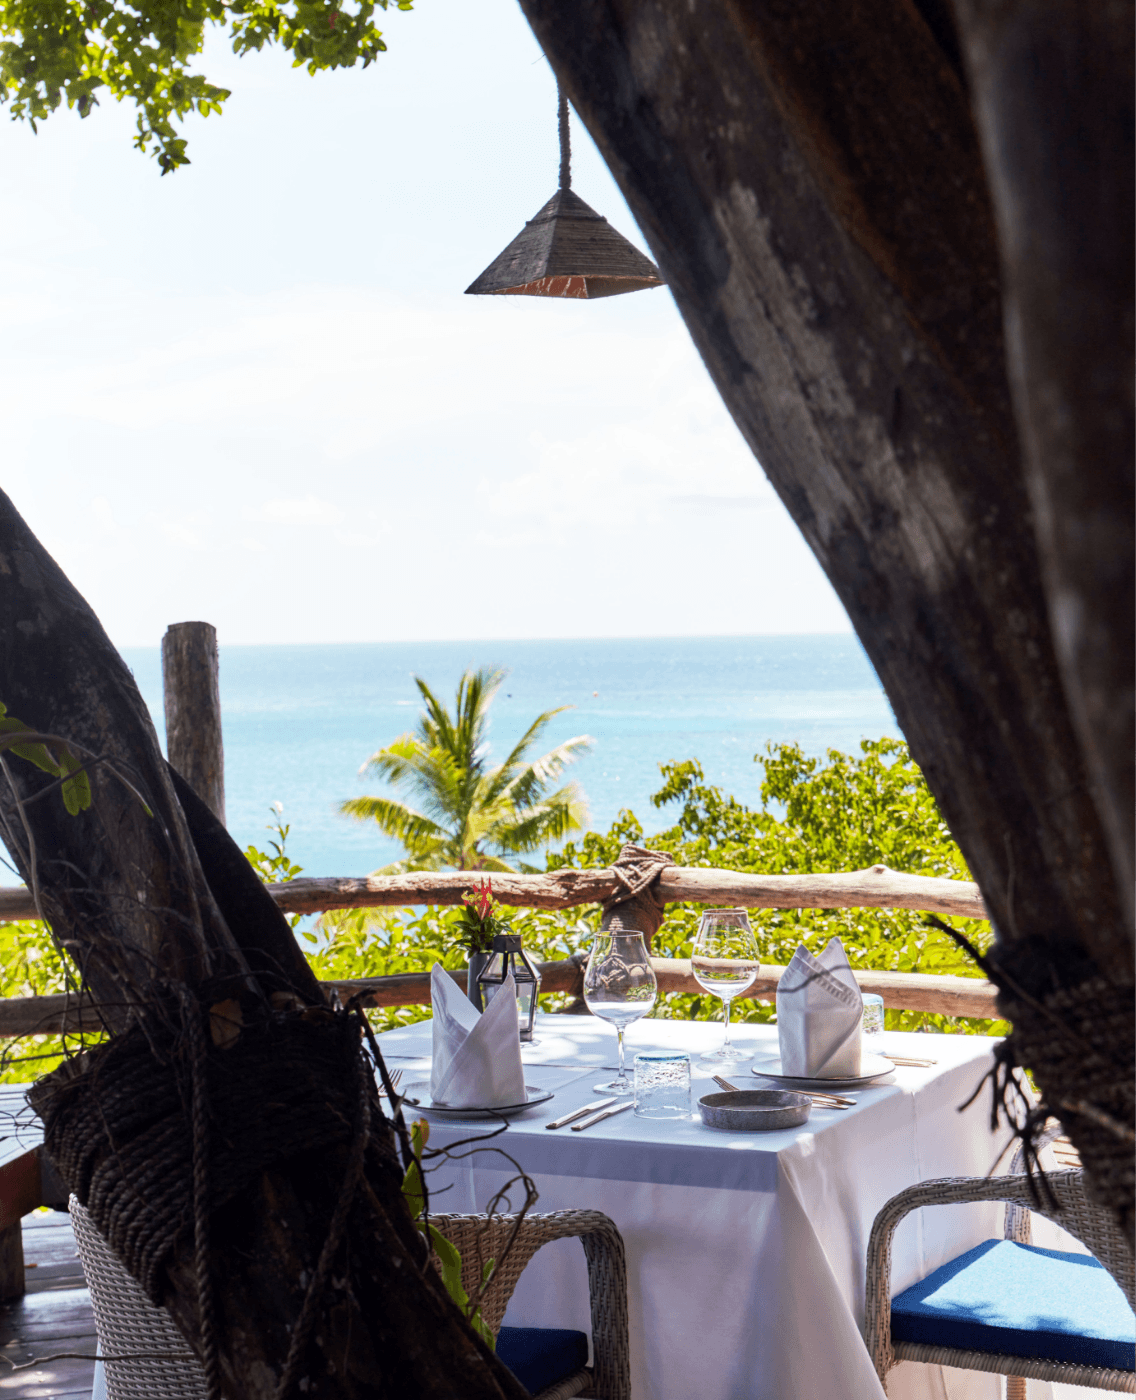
(192, 687)
(908, 991)
(875, 888)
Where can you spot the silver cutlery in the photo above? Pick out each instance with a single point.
(909, 1061)
(821, 1100)
(395, 1076)
(580, 1112)
(599, 1117)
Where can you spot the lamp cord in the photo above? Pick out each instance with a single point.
(565, 141)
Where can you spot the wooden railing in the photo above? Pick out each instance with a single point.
(877, 887)
(874, 888)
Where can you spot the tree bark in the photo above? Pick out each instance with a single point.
(810, 181)
(142, 898)
(1052, 83)
(191, 682)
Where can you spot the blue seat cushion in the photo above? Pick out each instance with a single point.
(1021, 1300)
(540, 1356)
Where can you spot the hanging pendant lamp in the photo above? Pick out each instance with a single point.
(567, 250)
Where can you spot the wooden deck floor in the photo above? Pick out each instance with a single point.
(53, 1316)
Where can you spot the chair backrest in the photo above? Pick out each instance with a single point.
(1018, 1217)
(480, 1238)
(483, 1237)
(1095, 1226)
(129, 1325)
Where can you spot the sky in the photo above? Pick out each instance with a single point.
(253, 392)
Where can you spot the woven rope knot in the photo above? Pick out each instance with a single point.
(118, 1123)
(1073, 1050)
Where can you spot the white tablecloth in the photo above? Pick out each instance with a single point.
(745, 1251)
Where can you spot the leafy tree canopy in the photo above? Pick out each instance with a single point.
(69, 51)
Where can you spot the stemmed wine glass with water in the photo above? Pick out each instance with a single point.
(619, 986)
(725, 961)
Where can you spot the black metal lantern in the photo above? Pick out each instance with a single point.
(567, 249)
(508, 956)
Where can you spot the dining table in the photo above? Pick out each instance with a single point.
(745, 1250)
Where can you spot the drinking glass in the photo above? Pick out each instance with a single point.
(725, 962)
(619, 986)
(662, 1084)
(873, 1019)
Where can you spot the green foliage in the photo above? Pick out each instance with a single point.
(68, 51)
(472, 815)
(449, 1257)
(275, 866)
(479, 920)
(31, 965)
(845, 813)
(53, 757)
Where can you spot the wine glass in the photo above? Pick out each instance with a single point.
(619, 986)
(725, 961)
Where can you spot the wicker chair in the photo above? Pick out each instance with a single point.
(481, 1238)
(1087, 1222)
(127, 1323)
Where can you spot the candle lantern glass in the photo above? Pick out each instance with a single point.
(508, 956)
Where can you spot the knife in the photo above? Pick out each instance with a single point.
(599, 1117)
(579, 1113)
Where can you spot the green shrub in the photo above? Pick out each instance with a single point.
(843, 813)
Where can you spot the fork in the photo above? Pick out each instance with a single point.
(395, 1076)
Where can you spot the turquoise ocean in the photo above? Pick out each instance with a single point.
(299, 721)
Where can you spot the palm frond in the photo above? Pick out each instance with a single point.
(557, 816)
(525, 742)
(492, 864)
(394, 819)
(531, 783)
(394, 762)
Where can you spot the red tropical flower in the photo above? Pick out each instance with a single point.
(480, 900)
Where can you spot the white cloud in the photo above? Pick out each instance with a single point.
(299, 426)
(309, 510)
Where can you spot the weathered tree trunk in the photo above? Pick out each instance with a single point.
(1052, 86)
(169, 923)
(191, 684)
(810, 181)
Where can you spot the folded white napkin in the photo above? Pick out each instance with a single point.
(819, 1013)
(477, 1055)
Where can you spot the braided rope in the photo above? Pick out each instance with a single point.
(1070, 1208)
(481, 1238)
(206, 1311)
(301, 1333)
(565, 140)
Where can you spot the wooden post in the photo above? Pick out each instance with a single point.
(191, 680)
(12, 1281)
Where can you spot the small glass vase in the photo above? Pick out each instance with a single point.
(478, 962)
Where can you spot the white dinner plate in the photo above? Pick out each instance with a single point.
(873, 1067)
(418, 1096)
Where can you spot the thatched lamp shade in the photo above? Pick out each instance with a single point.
(567, 250)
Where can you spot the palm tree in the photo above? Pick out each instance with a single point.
(468, 814)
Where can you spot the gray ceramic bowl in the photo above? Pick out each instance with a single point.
(755, 1110)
